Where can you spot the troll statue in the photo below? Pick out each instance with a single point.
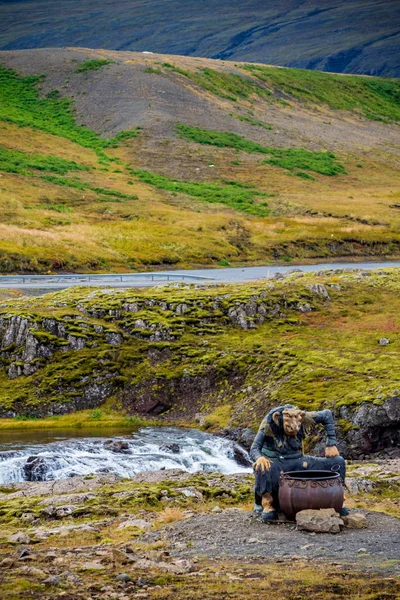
(277, 448)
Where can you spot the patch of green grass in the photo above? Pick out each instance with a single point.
(79, 185)
(239, 197)
(14, 161)
(93, 65)
(324, 163)
(20, 103)
(251, 121)
(152, 70)
(374, 97)
(229, 86)
(61, 208)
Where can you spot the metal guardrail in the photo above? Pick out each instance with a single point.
(7, 281)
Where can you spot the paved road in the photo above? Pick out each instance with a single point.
(44, 283)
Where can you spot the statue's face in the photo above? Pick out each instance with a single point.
(292, 420)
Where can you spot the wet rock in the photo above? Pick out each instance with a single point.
(355, 521)
(19, 538)
(117, 446)
(171, 447)
(241, 456)
(35, 469)
(325, 520)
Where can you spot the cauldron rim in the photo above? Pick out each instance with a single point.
(311, 475)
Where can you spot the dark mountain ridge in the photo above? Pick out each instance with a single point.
(358, 36)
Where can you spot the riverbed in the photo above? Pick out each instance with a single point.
(56, 454)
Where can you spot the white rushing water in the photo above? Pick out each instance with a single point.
(146, 450)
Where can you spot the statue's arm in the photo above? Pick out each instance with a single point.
(256, 447)
(325, 418)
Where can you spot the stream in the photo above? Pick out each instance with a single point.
(49, 455)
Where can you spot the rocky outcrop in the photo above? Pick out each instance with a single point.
(375, 428)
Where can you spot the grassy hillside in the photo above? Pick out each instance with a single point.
(229, 352)
(356, 36)
(121, 161)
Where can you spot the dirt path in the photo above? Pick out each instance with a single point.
(235, 534)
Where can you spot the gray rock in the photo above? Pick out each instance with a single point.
(139, 523)
(384, 341)
(320, 290)
(123, 577)
(19, 538)
(355, 521)
(325, 520)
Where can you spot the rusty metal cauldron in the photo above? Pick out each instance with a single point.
(299, 490)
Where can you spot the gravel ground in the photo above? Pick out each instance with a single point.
(236, 533)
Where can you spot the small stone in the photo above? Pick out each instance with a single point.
(123, 577)
(6, 563)
(355, 521)
(19, 538)
(91, 566)
(54, 580)
(252, 541)
(139, 523)
(38, 573)
(384, 341)
(217, 509)
(362, 551)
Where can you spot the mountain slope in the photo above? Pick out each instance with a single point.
(357, 36)
(119, 160)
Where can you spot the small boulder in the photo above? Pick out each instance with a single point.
(35, 469)
(384, 341)
(325, 520)
(19, 538)
(139, 523)
(123, 577)
(117, 446)
(355, 521)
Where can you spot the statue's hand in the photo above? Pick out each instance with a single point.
(331, 451)
(262, 464)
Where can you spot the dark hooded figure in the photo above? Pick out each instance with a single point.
(278, 447)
